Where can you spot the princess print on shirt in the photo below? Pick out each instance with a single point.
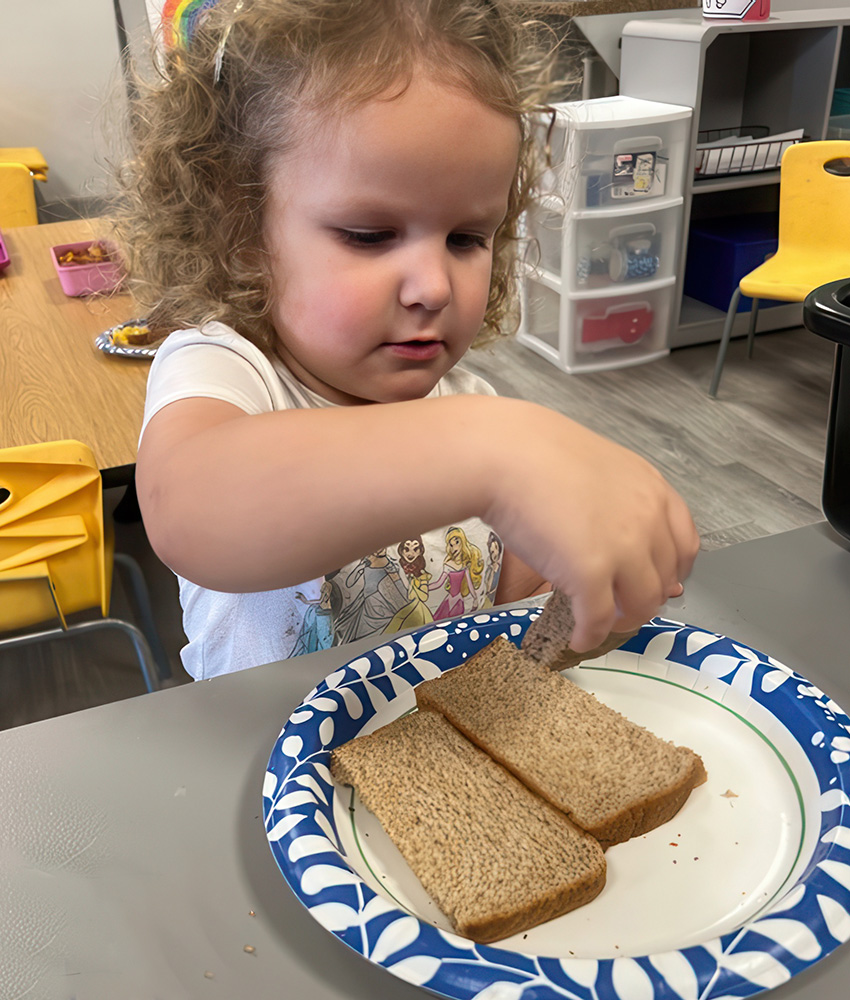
(376, 594)
(495, 548)
(317, 626)
(463, 568)
(416, 612)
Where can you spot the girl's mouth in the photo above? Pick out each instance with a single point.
(417, 350)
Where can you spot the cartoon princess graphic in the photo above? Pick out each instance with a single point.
(463, 568)
(411, 554)
(495, 549)
(316, 629)
(376, 594)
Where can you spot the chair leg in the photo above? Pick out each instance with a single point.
(724, 341)
(751, 333)
(143, 650)
(145, 613)
(140, 643)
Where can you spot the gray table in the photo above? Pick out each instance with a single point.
(133, 860)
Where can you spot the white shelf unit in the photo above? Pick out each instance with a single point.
(604, 234)
(778, 73)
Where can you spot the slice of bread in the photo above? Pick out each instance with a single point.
(547, 639)
(496, 858)
(613, 778)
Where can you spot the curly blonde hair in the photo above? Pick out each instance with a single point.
(192, 192)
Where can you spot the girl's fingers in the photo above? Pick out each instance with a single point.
(595, 612)
(685, 535)
(640, 593)
(630, 593)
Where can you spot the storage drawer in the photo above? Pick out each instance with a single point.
(636, 323)
(625, 152)
(589, 334)
(610, 252)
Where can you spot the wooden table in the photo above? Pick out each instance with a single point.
(54, 382)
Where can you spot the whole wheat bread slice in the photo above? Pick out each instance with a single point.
(547, 639)
(496, 858)
(613, 778)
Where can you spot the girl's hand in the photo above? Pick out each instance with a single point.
(591, 517)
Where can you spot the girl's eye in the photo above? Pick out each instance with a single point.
(364, 238)
(468, 241)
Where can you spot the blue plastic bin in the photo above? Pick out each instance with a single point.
(722, 251)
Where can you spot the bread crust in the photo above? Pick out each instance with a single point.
(495, 857)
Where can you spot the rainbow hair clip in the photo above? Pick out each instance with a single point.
(180, 18)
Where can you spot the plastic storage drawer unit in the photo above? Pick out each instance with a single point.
(602, 237)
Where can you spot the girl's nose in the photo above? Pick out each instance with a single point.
(427, 279)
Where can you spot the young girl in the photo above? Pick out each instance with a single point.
(323, 203)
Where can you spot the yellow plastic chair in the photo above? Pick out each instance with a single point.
(814, 245)
(56, 555)
(17, 196)
(31, 158)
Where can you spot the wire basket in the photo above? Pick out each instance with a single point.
(750, 156)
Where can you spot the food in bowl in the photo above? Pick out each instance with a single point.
(87, 267)
(95, 253)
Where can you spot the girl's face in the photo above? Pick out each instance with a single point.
(380, 228)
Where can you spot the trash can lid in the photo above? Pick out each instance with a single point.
(826, 311)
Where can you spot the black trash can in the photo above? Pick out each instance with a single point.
(826, 312)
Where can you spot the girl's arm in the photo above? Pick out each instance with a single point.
(243, 503)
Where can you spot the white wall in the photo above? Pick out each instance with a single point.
(58, 63)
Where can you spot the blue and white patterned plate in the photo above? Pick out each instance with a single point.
(746, 887)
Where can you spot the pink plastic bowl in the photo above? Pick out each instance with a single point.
(4, 254)
(88, 279)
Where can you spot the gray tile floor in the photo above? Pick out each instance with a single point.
(748, 463)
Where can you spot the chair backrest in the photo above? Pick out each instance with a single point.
(814, 203)
(51, 533)
(31, 157)
(17, 196)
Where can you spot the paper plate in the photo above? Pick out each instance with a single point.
(106, 342)
(746, 887)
